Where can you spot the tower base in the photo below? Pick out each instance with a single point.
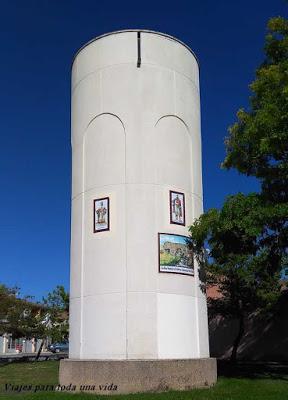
(132, 376)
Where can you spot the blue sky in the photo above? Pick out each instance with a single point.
(38, 41)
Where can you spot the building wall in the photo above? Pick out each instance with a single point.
(135, 136)
(264, 339)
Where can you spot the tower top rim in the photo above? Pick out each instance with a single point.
(170, 37)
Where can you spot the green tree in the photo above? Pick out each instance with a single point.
(57, 304)
(257, 144)
(20, 316)
(248, 237)
(238, 262)
(8, 304)
(56, 322)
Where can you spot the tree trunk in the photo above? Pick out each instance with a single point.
(40, 349)
(233, 357)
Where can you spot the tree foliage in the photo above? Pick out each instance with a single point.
(257, 144)
(57, 304)
(22, 317)
(239, 262)
(248, 237)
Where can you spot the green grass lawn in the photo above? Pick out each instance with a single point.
(260, 386)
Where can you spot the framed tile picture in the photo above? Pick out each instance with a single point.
(177, 208)
(101, 215)
(175, 254)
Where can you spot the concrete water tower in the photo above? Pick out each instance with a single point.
(138, 318)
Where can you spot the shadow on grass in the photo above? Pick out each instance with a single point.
(253, 370)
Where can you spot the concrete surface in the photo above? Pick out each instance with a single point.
(132, 376)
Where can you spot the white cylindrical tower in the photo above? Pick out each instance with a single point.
(136, 188)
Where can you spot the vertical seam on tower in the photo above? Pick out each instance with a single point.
(174, 94)
(100, 90)
(196, 285)
(126, 268)
(138, 49)
(82, 250)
